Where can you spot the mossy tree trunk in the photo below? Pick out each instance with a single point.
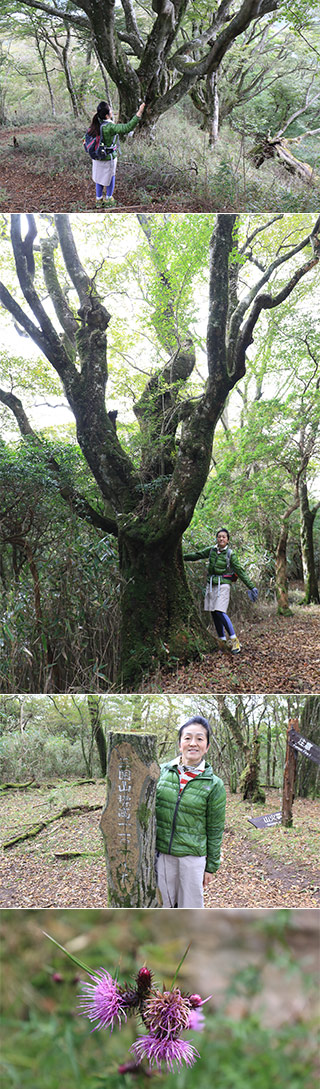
(281, 563)
(250, 777)
(160, 622)
(307, 517)
(97, 730)
(146, 506)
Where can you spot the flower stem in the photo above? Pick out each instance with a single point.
(75, 959)
(179, 966)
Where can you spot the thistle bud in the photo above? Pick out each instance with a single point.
(144, 982)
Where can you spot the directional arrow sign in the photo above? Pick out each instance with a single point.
(307, 748)
(266, 822)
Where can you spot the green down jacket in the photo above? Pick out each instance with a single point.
(191, 823)
(218, 565)
(110, 129)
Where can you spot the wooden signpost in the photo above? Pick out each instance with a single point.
(128, 820)
(295, 744)
(289, 776)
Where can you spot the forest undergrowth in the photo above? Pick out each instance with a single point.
(47, 169)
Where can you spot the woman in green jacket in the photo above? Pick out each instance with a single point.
(223, 568)
(190, 815)
(104, 170)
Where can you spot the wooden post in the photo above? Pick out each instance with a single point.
(289, 778)
(128, 820)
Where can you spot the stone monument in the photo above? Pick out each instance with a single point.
(128, 820)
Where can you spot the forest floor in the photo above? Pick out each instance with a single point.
(43, 168)
(278, 654)
(22, 188)
(276, 867)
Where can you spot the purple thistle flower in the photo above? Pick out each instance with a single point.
(166, 1012)
(102, 1000)
(196, 1020)
(170, 1050)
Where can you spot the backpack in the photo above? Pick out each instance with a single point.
(232, 576)
(96, 148)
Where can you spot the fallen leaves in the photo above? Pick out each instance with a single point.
(274, 867)
(279, 654)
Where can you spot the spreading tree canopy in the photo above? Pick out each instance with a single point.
(148, 492)
(159, 50)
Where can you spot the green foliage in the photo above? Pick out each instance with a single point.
(59, 595)
(40, 756)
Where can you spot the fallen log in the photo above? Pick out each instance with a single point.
(56, 785)
(275, 147)
(34, 831)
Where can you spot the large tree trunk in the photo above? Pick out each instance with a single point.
(281, 564)
(307, 518)
(160, 622)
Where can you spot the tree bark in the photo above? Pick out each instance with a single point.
(281, 564)
(98, 734)
(250, 777)
(160, 622)
(213, 99)
(307, 518)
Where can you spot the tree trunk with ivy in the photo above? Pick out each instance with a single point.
(250, 777)
(147, 506)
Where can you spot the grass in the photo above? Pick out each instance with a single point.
(177, 166)
(298, 844)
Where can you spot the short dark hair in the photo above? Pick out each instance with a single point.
(222, 529)
(202, 722)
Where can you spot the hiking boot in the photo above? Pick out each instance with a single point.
(100, 204)
(233, 645)
(109, 203)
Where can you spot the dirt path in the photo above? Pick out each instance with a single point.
(259, 869)
(22, 189)
(279, 654)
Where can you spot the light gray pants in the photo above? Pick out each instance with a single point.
(180, 880)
